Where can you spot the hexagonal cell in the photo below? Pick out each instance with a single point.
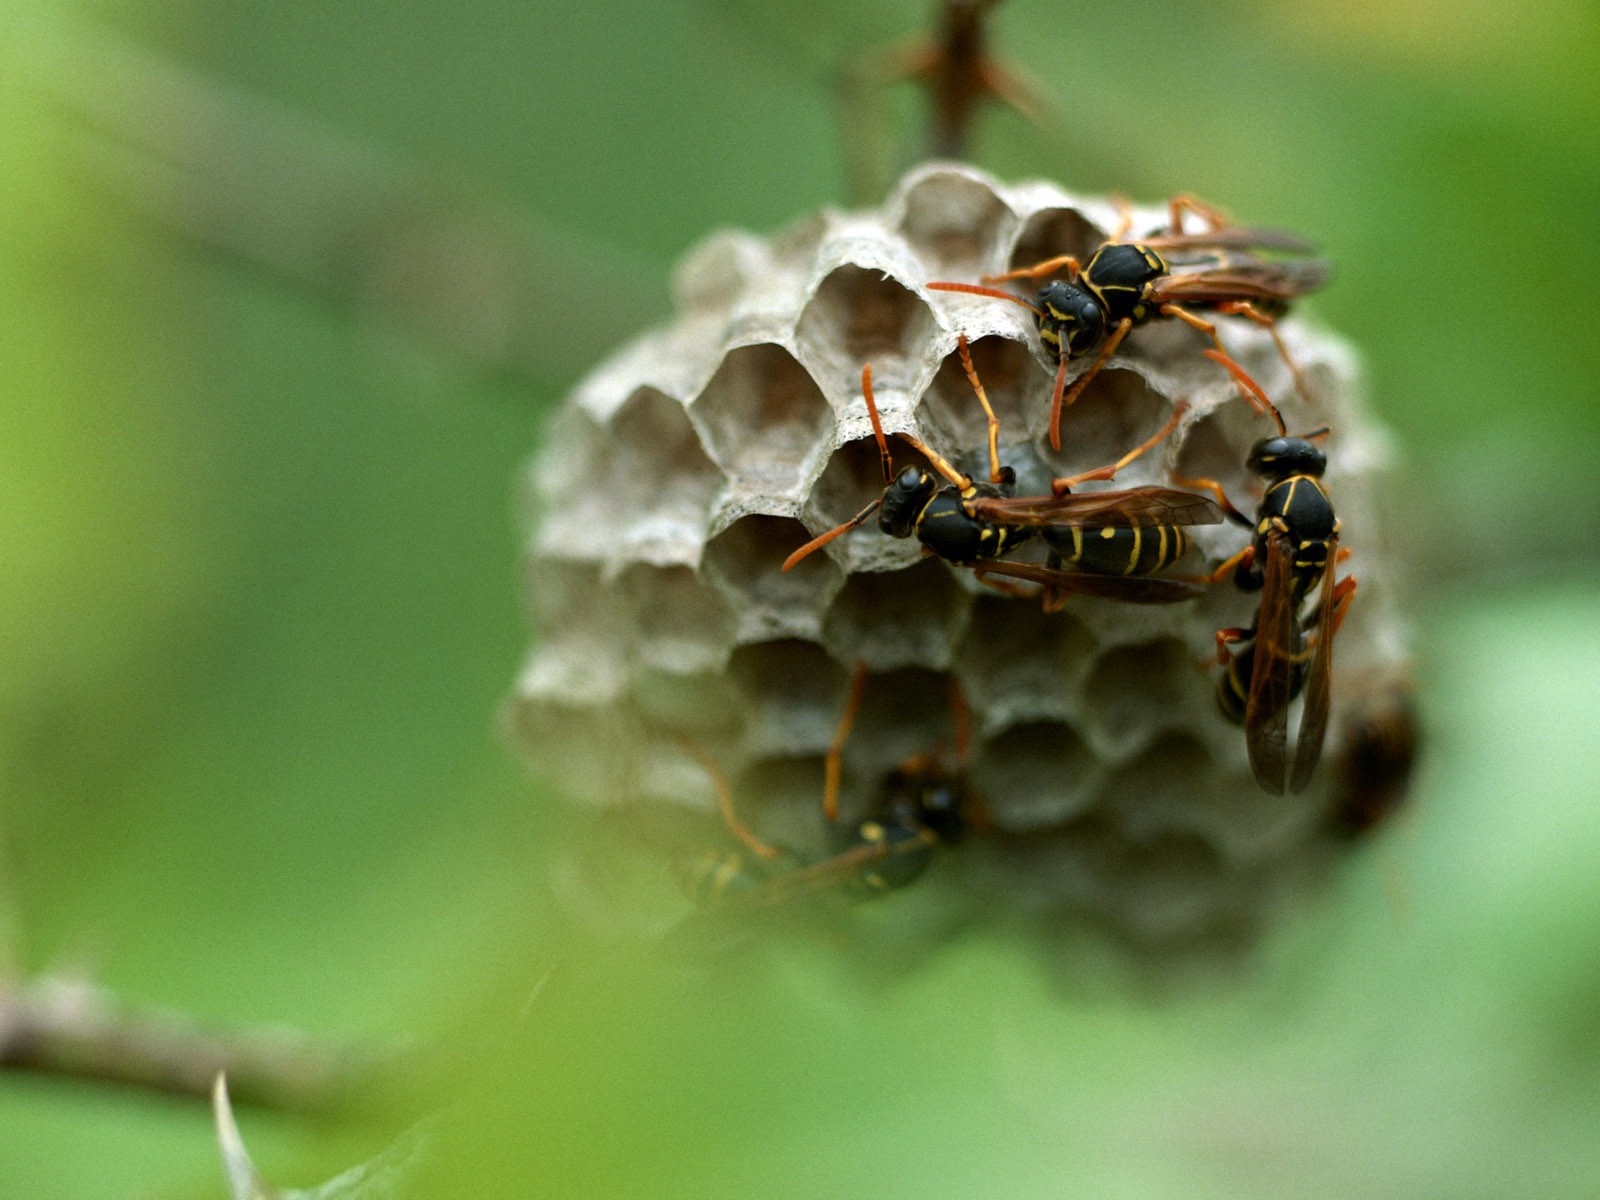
(1117, 412)
(852, 479)
(1017, 391)
(1170, 888)
(858, 316)
(762, 417)
(572, 516)
(910, 618)
(679, 623)
(1036, 774)
(1018, 663)
(780, 798)
(714, 273)
(588, 750)
(655, 467)
(793, 696)
(904, 714)
(1210, 450)
(697, 702)
(954, 222)
(1176, 786)
(563, 594)
(744, 562)
(1051, 232)
(1135, 691)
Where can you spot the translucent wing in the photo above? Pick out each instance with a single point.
(1274, 281)
(1130, 589)
(1277, 642)
(1314, 715)
(1233, 238)
(1128, 507)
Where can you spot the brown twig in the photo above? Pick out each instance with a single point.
(66, 1028)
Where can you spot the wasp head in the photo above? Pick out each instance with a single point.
(904, 499)
(1073, 322)
(1280, 457)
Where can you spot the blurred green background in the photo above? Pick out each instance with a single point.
(259, 601)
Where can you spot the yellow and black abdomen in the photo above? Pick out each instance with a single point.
(947, 529)
(1118, 549)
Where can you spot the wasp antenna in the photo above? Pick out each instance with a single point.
(973, 289)
(877, 425)
(823, 539)
(1321, 431)
(1056, 395)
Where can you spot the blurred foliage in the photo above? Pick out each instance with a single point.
(260, 605)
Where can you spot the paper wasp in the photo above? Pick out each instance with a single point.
(1373, 769)
(1281, 654)
(921, 805)
(1125, 284)
(1101, 543)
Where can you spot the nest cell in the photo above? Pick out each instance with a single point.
(743, 564)
(762, 417)
(860, 315)
(896, 619)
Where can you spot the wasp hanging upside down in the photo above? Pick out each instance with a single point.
(1102, 543)
(1126, 284)
(921, 806)
(1293, 553)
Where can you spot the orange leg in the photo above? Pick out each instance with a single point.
(1039, 270)
(1226, 638)
(1243, 308)
(1184, 202)
(832, 765)
(1060, 400)
(996, 475)
(1124, 216)
(1229, 565)
(730, 818)
(1065, 484)
(1215, 488)
(1248, 387)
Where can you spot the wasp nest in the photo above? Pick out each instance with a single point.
(679, 475)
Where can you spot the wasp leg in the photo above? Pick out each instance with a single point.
(1208, 213)
(1248, 387)
(1018, 591)
(1227, 637)
(833, 763)
(1039, 270)
(1066, 483)
(1060, 400)
(1243, 308)
(996, 474)
(1124, 216)
(1215, 488)
(730, 818)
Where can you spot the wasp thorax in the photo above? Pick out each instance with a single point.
(904, 499)
(1074, 322)
(1281, 457)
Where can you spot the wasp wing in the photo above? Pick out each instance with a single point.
(1125, 508)
(1314, 714)
(1274, 658)
(1130, 589)
(1233, 237)
(1272, 281)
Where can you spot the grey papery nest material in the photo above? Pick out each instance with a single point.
(682, 471)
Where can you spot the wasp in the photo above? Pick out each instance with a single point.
(1125, 284)
(1282, 654)
(1101, 543)
(1373, 769)
(921, 805)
